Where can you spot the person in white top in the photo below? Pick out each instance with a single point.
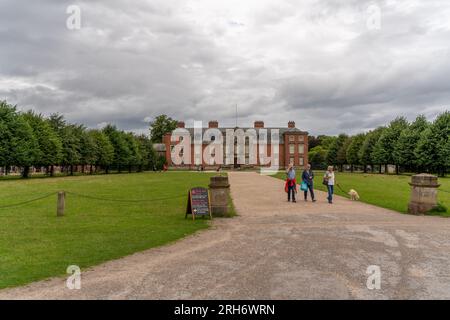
(329, 177)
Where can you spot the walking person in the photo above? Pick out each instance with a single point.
(308, 179)
(291, 183)
(329, 180)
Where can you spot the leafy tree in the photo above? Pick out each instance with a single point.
(317, 157)
(67, 133)
(403, 153)
(71, 138)
(57, 123)
(365, 154)
(160, 161)
(433, 149)
(24, 145)
(135, 157)
(353, 150)
(326, 141)
(103, 150)
(29, 139)
(441, 136)
(118, 140)
(148, 153)
(313, 142)
(18, 145)
(87, 150)
(384, 148)
(335, 147)
(420, 124)
(49, 144)
(7, 116)
(342, 152)
(425, 151)
(318, 150)
(161, 126)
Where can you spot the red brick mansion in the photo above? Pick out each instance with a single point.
(287, 145)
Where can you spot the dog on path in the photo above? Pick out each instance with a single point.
(354, 196)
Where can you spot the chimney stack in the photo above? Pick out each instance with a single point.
(291, 124)
(213, 124)
(259, 124)
(180, 124)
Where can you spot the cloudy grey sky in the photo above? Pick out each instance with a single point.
(324, 64)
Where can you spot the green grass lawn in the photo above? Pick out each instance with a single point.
(35, 244)
(387, 191)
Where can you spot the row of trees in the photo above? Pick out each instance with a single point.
(420, 146)
(29, 139)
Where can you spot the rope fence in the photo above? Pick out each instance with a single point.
(61, 195)
(123, 200)
(27, 201)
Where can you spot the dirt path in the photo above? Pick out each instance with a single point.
(278, 250)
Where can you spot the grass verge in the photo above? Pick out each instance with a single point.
(35, 244)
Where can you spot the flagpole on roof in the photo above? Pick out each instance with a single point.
(236, 115)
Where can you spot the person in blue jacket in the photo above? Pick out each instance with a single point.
(308, 178)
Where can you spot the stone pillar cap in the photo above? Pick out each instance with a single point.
(219, 182)
(425, 180)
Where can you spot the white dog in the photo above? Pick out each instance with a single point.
(354, 196)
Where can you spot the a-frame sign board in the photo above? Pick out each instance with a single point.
(199, 203)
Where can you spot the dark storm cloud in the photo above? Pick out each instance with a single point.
(316, 62)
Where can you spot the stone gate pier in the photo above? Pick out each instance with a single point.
(423, 193)
(219, 189)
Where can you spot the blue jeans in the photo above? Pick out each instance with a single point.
(330, 193)
(311, 191)
(291, 190)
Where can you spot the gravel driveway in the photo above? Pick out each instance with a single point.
(278, 250)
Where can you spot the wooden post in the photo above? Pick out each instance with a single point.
(61, 204)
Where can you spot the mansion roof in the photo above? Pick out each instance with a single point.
(282, 132)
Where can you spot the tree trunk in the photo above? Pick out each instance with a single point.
(120, 169)
(386, 171)
(71, 170)
(397, 169)
(129, 169)
(90, 170)
(351, 168)
(26, 172)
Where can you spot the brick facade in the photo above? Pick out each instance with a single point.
(293, 147)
